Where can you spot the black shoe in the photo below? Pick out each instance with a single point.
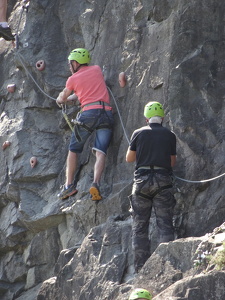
(6, 33)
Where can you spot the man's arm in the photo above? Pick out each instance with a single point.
(62, 98)
(173, 160)
(130, 156)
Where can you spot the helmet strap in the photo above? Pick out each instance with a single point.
(72, 67)
(78, 68)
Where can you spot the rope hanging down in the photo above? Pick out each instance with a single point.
(24, 8)
(121, 121)
(27, 71)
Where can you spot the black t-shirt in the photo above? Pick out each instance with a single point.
(154, 144)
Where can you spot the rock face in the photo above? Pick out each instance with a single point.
(171, 52)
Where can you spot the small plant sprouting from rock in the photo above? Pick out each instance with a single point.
(203, 259)
(219, 258)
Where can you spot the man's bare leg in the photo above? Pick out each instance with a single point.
(98, 170)
(71, 165)
(3, 10)
(99, 166)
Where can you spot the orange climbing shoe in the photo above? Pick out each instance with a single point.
(95, 193)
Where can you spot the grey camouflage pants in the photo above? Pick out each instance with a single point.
(151, 190)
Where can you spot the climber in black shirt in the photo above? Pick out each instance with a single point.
(153, 147)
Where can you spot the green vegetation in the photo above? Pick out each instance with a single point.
(219, 258)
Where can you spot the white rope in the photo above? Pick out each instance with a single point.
(200, 181)
(121, 121)
(33, 78)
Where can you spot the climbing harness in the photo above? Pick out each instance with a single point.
(76, 132)
(78, 123)
(151, 172)
(162, 188)
(86, 127)
(66, 117)
(97, 104)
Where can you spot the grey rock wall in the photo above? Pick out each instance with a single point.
(172, 52)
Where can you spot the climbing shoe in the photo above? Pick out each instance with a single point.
(67, 192)
(95, 193)
(6, 33)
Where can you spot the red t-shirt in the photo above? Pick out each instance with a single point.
(89, 85)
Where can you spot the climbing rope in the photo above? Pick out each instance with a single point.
(38, 86)
(200, 181)
(35, 82)
(24, 8)
(121, 121)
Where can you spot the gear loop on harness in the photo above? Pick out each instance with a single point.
(77, 123)
(81, 124)
(76, 126)
(155, 193)
(66, 117)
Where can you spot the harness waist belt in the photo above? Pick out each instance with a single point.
(97, 105)
(151, 168)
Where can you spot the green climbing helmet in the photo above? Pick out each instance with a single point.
(140, 294)
(80, 55)
(153, 109)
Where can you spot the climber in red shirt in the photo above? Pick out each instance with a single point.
(87, 83)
